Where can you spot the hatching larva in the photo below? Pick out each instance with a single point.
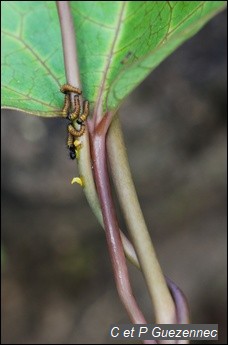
(85, 114)
(75, 115)
(75, 132)
(69, 88)
(70, 140)
(76, 111)
(66, 106)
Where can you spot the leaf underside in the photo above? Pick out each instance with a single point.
(119, 43)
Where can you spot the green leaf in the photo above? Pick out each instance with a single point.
(119, 44)
(32, 62)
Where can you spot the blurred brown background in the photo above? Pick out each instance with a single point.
(57, 283)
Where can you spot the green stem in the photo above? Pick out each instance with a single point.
(159, 292)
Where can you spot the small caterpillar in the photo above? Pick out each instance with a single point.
(76, 111)
(70, 140)
(83, 117)
(74, 115)
(75, 132)
(69, 88)
(66, 106)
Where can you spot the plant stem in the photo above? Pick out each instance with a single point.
(110, 221)
(112, 230)
(85, 171)
(73, 77)
(69, 44)
(84, 166)
(159, 292)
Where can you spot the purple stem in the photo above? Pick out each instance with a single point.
(182, 308)
(69, 45)
(112, 231)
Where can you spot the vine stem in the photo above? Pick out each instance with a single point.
(112, 229)
(159, 292)
(69, 45)
(182, 310)
(101, 174)
(73, 77)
